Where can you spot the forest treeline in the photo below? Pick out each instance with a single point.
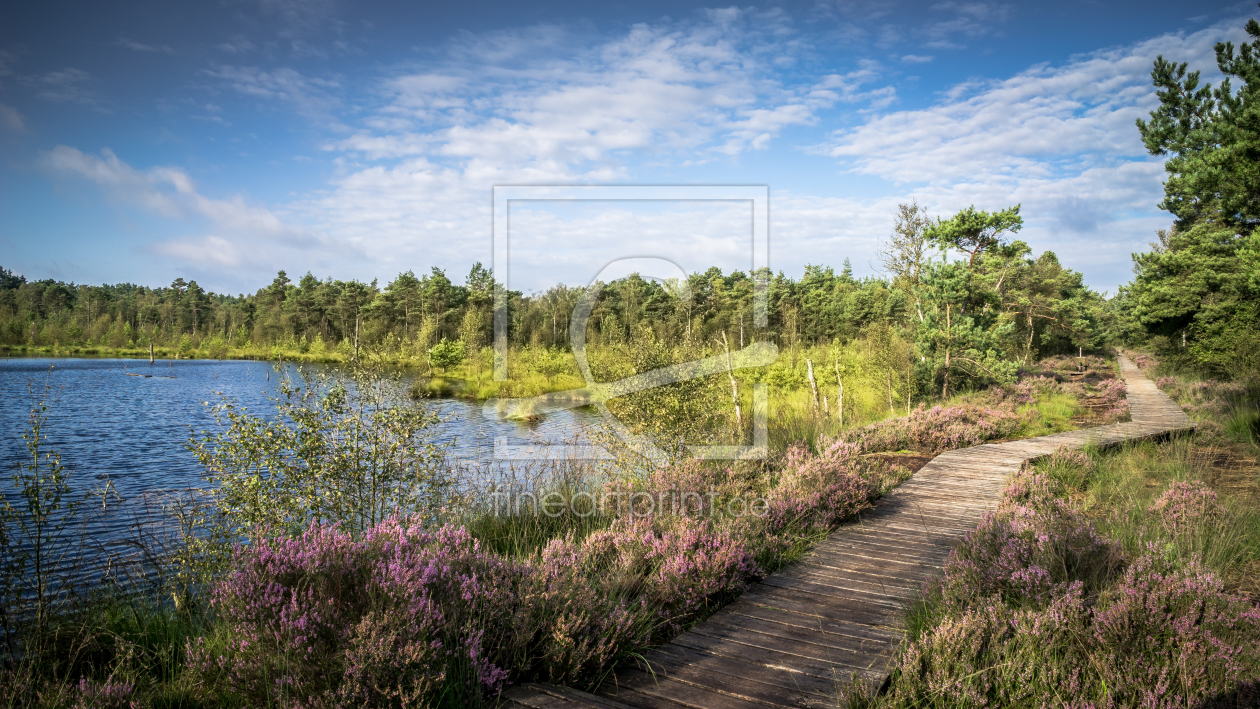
(967, 302)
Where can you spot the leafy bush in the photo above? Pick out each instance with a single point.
(446, 353)
(347, 451)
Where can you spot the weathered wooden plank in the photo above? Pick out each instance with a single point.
(773, 661)
(789, 684)
(850, 628)
(724, 675)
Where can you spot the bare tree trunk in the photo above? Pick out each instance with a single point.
(891, 412)
(840, 404)
(812, 384)
(839, 395)
(1031, 332)
(945, 386)
(739, 418)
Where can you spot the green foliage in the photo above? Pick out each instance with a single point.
(36, 544)
(696, 410)
(447, 353)
(954, 341)
(974, 232)
(1211, 136)
(1197, 292)
(350, 451)
(1197, 283)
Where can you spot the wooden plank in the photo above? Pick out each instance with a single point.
(727, 675)
(782, 656)
(550, 696)
(804, 620)
(808, 640)
(812, 606)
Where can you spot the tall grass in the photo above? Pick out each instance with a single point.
(1124, 484)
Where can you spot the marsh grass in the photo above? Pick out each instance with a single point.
(1126, 482)
(1242, 423)
(794, 418)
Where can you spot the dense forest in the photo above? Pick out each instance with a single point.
(975, 315)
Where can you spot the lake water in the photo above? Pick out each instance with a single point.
(132, 431)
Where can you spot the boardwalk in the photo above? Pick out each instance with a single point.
(791, 640)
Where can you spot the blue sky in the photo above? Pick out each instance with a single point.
(223, 141)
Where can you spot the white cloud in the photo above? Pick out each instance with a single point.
(970, 20)
(571, 242)
(206, 251)
(1061, 141)
(170, 192)
(1043, 121)
(237, 45)
(68, 85)
(554, 104)
(139, 47)
(11, 119)
(549, 104)
(311, 95)
(547, 98)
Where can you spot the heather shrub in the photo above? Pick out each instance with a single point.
(776, 513)
(1145, 362)
(992, 655)
(1208, 397)
(679, 567)
(405, 616)
(395, 614)
(105, 695)
(1169, 635)
(938, 429)
(1026, 390)
(1186, 505)
(1028, 551)
(817, 492)
(1035, 608)
(1111, 395)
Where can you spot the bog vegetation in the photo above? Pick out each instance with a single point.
(337, 557)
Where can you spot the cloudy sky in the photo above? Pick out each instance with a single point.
(225, 140)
